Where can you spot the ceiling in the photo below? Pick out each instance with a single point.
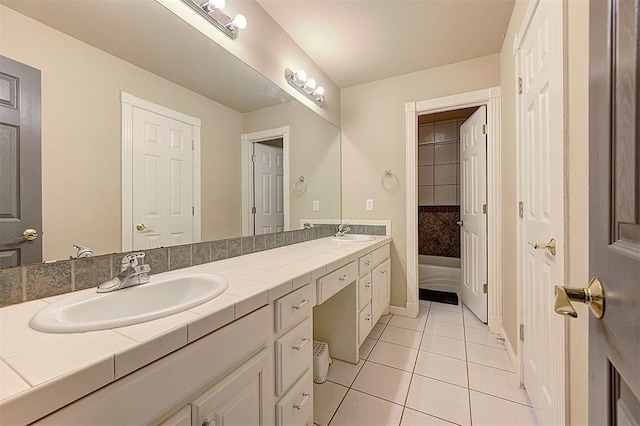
(358, 41)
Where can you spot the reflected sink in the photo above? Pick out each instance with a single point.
(355, 238)
(158, 298)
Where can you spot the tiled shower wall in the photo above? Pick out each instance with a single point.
(30, 282)
(438, 232)
(439, 163)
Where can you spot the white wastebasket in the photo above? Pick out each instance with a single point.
(321, 361)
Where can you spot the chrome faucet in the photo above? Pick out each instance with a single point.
(343, 229)
(131, 274)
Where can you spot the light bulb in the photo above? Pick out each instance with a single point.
(240, 21)
(218, 4)
(310, 84)
(319, 91)
(301, 75)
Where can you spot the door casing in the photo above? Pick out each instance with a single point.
(490, 97)
(247, 174)
(130, 101)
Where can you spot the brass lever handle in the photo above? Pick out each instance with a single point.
(142, 227)
(551, 246)
(460, 223)
(28, 234)
(592, 295)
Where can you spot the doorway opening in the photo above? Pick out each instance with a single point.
(451, 221)
(490, 99)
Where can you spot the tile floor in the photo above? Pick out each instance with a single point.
(441, 368)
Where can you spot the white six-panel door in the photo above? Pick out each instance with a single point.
(542, 196)
(162, 181)
(269, 187)
(473, 232)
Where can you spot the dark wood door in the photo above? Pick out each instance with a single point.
(614, 239)
(20, 163)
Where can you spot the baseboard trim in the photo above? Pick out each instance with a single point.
(515, 361)
(398, 310)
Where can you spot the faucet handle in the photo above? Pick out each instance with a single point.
(131, 260)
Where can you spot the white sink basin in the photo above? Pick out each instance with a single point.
(158, 298)
(355, 238)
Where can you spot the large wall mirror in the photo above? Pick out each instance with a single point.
(118, 77)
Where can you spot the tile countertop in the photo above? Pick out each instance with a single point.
(40, 372)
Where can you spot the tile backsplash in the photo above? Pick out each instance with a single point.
(438, 232)
(36, 281)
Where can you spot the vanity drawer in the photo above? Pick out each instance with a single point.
(293, 307)
(380, 255)
(294, 353)
(364, 264)
(364, 291)
(365, 323)
(296, 407)
(337, 280)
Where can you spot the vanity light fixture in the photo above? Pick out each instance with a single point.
(212, 11)
(298, 80)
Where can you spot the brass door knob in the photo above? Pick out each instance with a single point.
(142, 227)
(28, 235)
(460, 223)
(592, 295)
(551, 246)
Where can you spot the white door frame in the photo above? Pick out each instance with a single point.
(562, 325)
(128, 102)
(247, 174)
(490, 97)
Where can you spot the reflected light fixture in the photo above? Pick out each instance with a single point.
(212, 11)
(298, 80)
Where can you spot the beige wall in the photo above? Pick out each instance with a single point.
(81, 138)
(373, 139)
(576, 23)
(314, 150)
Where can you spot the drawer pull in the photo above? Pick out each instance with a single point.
(346, 276)
(368, 285)
(367, 318)
(385, 271)
(367, 263)
(300, 305)
(305, 398)
(305, 340)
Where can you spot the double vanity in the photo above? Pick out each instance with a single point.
(243, 357)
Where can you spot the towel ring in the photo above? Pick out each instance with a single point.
(388, 180)
(300, 185)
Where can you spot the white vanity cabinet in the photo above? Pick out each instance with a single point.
(374, 289)
(293, 349)
(227, 374)
(351, 299)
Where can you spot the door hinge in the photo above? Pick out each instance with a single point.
(253, 158)
(521, 209)
(253, 210)
(193, 145)
(485, 288)
(520, 85)
(484, 129)
(484, 209)
(522, 332)
(193, 210)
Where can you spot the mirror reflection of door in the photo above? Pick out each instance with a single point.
(614, 213)
(268, 186)
(163, 178)
(20, 164)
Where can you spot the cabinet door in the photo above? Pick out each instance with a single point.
(242, 398)
(365, 324)
(381, 280)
